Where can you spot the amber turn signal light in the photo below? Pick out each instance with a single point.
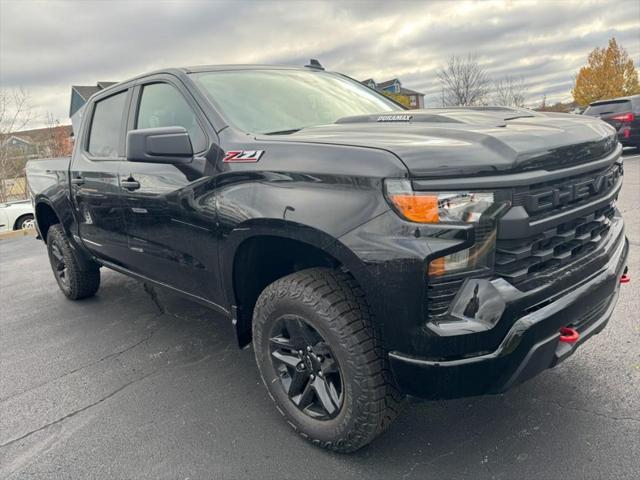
(417, 208)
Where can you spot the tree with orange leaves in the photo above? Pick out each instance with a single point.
(610, 73)
(58, 140)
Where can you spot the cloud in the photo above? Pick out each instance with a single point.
(46, 47)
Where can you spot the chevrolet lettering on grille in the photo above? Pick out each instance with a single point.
(570, 192)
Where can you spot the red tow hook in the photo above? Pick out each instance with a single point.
(569, 335)
(625, 278)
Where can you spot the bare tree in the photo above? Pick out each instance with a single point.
(509, 91)
(15, 114)
(15, 110)
(464, 82)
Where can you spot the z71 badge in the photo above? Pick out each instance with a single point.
(240, 156)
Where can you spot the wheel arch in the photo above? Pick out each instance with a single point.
(46, 216)
(19, 218)
(257, 255)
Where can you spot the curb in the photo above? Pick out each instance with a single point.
(27, 232)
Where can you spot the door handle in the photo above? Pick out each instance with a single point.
(77, 181)
(130, 184)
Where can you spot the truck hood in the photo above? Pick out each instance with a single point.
(469, 141)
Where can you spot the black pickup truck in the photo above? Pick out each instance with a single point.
(367, 251)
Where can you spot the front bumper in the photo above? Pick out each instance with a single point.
(529, 347)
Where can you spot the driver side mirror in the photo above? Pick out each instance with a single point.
(159, 145)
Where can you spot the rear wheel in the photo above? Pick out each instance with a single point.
(76, 278)
(320, 360)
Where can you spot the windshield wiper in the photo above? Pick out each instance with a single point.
(283, 132)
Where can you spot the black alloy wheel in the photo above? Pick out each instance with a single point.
(308, 370)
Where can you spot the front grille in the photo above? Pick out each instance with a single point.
(554, 248)
(611, 173)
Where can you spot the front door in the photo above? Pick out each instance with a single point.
(169, 209)
(94, 178)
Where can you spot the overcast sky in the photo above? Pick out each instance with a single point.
(45, 47)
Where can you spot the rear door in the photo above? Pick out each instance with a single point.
(170, 209)
(94, 176)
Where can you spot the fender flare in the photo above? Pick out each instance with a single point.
(288, 230)
(43, 200)
(76, 244)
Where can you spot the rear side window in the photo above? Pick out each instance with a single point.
(606, 108)
(162, 105)
(104, 136)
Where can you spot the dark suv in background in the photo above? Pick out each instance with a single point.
(623, 114)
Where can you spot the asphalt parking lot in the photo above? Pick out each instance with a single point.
(139, 383)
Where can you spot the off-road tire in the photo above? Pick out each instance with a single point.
(334, 305)
(82, 276)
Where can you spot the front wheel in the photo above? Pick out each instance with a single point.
(320, 360)
(77, 278)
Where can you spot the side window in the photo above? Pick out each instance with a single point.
(162, 105)
(104, 135)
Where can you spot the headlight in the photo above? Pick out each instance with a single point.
(436, 207)
(480, 255)
(451, 208)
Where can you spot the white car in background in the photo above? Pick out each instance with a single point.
(16, 215)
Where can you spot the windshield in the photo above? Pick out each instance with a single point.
(605, 108)
(281, 101)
